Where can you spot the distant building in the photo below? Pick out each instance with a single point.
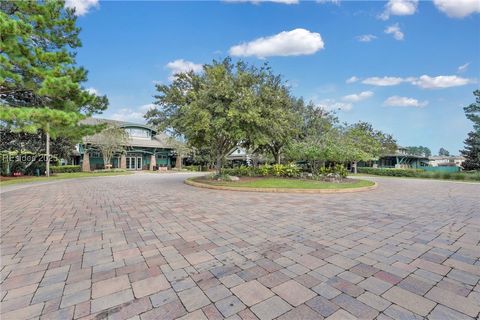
(238, 154)
(439, 161)
(401, 159)
(241, 156)
(146, 149)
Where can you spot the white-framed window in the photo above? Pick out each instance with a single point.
(139, 133)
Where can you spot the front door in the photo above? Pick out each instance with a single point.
(134, 163)
(139, 163)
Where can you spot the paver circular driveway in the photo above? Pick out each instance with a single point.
(148, 245)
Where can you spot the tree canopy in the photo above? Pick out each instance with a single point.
(40, 84)
(109, 142)
(222, 107)
(236, 104)
(419, 151)
(443, 152)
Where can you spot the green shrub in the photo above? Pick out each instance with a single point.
(17, 166)
(459, 176)
(337, 169)
(65, 169)
(277, 170)
(291, 170)
(265, 170)
(390, 172)
(447, 175)
(416, 173)
(35, 167)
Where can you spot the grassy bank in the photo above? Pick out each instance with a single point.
(5, 181)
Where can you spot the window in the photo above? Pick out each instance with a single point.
(138, 132)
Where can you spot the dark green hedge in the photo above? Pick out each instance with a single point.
(415, 173)
(391, 172)
(65, 169)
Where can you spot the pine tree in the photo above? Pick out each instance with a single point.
(443, 152)
(40, 84)
(38, 67)
(471, 151)
(472, 144)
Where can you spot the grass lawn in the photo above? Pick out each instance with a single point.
(288, 183)
(58, 176)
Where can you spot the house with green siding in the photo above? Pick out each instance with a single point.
(146, 149)
(401, 159)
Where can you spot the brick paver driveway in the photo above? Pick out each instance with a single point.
(147, 246)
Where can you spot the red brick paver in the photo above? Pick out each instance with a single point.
(147, 246)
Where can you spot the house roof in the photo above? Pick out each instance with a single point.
(446, 158)
(158, 140)
(122, 124)
(403, 156)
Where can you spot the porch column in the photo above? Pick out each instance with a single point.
(153, 162)
(123, 162)
(86, 162)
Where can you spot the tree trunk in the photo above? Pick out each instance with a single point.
(218, 164)
(48, 152)
(178, 162)
(106, 162)
(354, 164)
(277, 157)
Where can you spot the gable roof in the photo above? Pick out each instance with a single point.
(158, 140)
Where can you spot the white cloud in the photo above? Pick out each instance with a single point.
(394, 30)
(180, 65)
(399, 8)
(132, 115)
(366, 37)
(428, 82)
(463, 67)
(260, 1)
(331, 105)
(397, 101)
(287, 43)
(424, 81)
(81, 7)
(336, 2)
(383, 82)
(352, 79)
(93, 91)
(458, 8)
(357, 97)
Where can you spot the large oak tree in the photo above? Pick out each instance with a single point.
(215, 110)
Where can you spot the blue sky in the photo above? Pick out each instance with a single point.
(406, 66)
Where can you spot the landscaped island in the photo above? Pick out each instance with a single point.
(286, 183)
(281, 178)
